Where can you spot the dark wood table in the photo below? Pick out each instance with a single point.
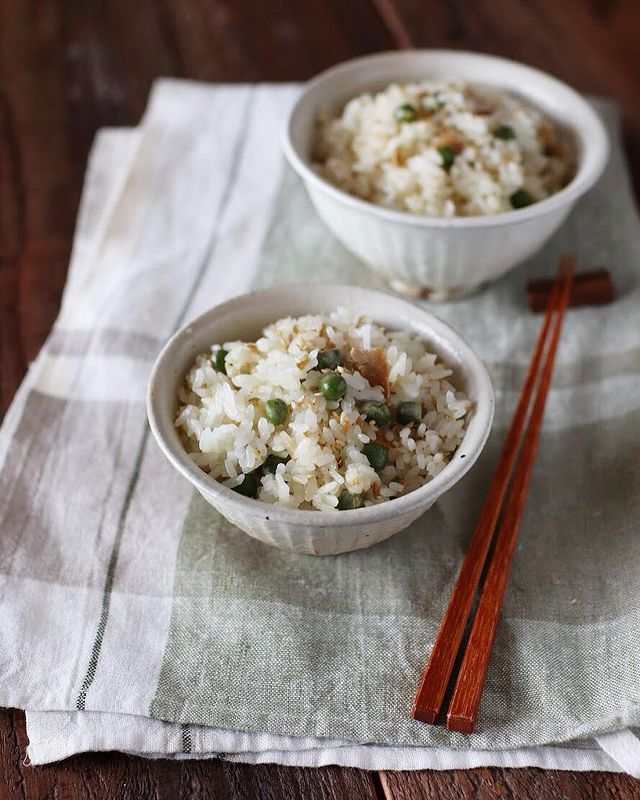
(68, 67)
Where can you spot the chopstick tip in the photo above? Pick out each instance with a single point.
(568, 264)
(423, 714)
(459, 724)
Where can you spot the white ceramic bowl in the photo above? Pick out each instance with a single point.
(439, 257)
(315, 532)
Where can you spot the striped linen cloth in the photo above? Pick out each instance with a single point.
(134, 617)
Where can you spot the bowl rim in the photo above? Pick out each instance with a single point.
(462, 461)
(582, 181)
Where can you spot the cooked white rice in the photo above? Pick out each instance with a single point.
(498, 145)
(225, 430)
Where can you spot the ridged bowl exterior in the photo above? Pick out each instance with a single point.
(316, 532)
(312, 540)
(439, 263)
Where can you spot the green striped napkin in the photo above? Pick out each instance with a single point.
(126, 596)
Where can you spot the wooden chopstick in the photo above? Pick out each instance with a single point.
(593, 288)
(463, 709)
(437, 673)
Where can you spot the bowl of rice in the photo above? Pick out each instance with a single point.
(320, 420)
(443, 169)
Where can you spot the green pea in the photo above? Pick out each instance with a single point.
(409, 413)
(333, 386)
(219, 360)
(406, 113)
(347, 501)
(376, 412)
(249, 485)
(273, 461)
(330, 359)
(521, 199)
(376, 455)
(504, 132)
(448, 157)
(276, 411)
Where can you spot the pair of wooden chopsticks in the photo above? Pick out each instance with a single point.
(465, 700)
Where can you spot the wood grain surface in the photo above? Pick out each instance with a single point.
(69, 67)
